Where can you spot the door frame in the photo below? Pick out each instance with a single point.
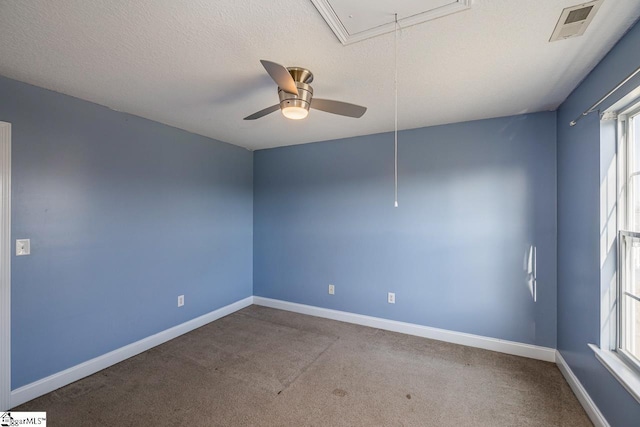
(5, 266)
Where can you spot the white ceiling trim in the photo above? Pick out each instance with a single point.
(335, 23)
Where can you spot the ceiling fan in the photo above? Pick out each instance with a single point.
(296, 95)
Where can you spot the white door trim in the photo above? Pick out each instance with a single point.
(5, 266)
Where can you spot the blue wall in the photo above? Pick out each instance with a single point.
(581, 160)
(473, 198)
(124, 214)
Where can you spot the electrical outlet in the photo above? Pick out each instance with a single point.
(180, 300)
(391, 298)
(332, 290)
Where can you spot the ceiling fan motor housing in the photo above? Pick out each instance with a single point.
(303, 99)
(300, 74)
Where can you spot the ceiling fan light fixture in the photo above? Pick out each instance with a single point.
(296, 95)
(295, 113)
(296, 107)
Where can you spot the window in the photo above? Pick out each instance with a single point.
(628, 295)
(619, 348)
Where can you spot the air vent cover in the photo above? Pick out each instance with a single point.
(574, 20)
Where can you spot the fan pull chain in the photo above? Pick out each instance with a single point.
(396, 112)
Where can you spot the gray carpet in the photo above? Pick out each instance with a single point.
(267, 367)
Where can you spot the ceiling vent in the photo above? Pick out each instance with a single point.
(574, 20)
(356, 20)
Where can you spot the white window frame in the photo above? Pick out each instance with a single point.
(625, 234)
(621, 365)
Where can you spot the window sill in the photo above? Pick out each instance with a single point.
(619, 369)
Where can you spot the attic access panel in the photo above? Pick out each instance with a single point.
(356, 20)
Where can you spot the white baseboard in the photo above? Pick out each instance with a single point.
(494, 344)
(60, 379)
(589, 406)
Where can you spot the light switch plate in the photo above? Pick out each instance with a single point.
(23, 247)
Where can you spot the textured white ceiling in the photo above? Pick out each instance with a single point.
(194, 64)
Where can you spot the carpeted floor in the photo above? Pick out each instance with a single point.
(267, 367)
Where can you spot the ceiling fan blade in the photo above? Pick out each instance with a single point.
(281, 76)
(338, 107)
(263, 113)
